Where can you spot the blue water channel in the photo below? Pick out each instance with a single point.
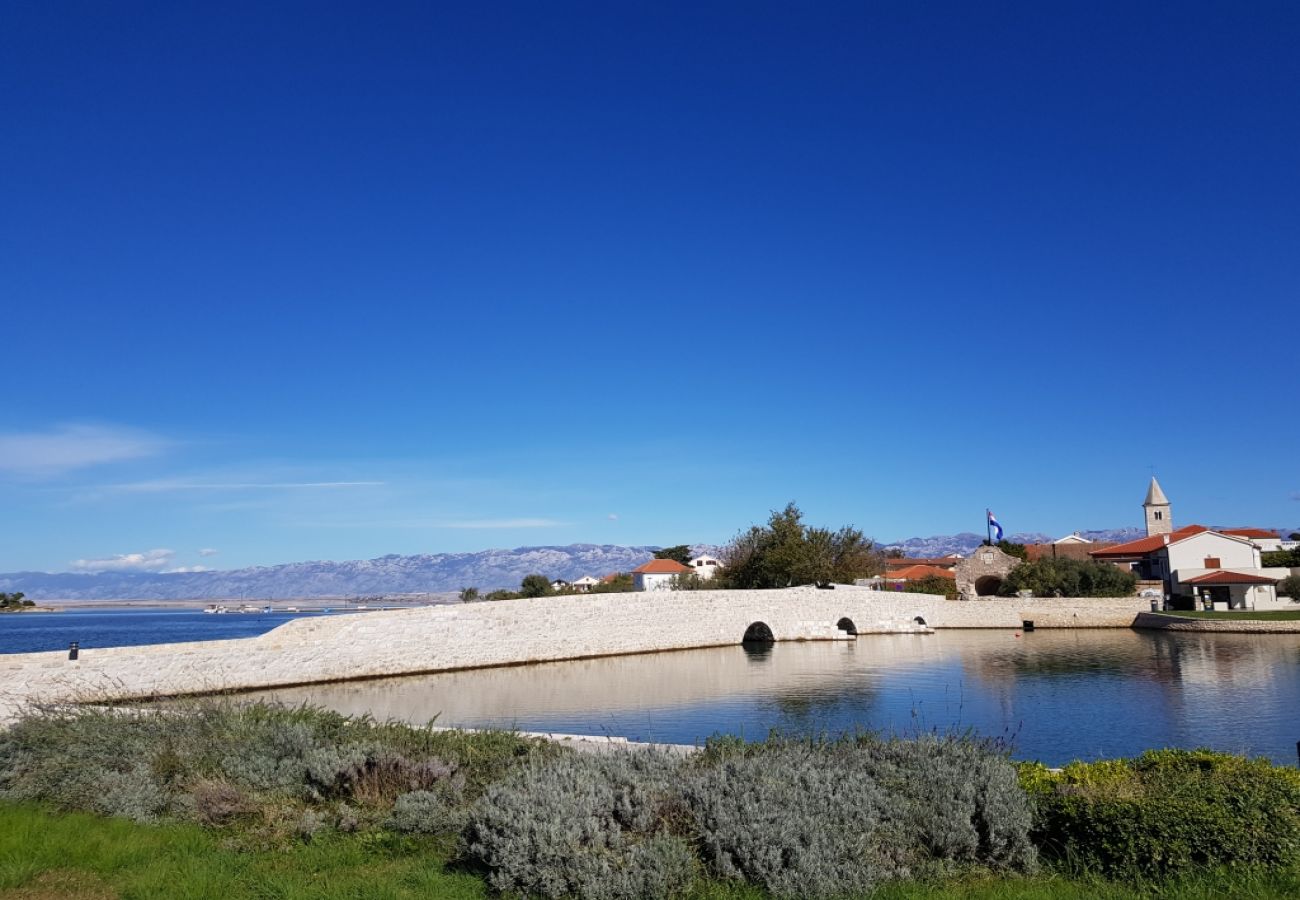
(1052, 695)
(29, 632)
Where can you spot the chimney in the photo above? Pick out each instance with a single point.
(1166, 540)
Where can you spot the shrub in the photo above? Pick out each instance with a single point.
(823, 819)
(218, 802)
(1166, 812)
(425, 812)
(591, 826)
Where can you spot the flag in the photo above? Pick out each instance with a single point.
(993, 523)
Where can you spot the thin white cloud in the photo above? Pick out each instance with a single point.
(182, 570)
(147, 561)
(613, 517)
(208, 551)
(71, 447)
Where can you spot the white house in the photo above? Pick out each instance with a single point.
(585, 583)
(1075, 538)
(657, 575)
(705, 566)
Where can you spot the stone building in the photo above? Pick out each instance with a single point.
(981, 574)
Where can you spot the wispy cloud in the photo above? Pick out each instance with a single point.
(208, 551)
(71, 447)
(146, 561)
(184, 570)
(613, 517)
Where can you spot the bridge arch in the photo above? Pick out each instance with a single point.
(758, 633)
(846, 624)
(988, 586)
(919, 620)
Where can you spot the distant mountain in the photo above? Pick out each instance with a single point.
(426, 573)
(966, 542)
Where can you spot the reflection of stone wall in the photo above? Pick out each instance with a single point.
(1186, 623)
(984, 562)
(466, 636)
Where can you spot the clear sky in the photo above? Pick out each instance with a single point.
(303, 281)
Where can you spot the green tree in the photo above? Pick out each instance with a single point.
(535, 586)
(1050, 577)
(1290, 587)
(501, 595)
(933, 584)
(469, 594)
(618, 583)
(1010, 548)
(681, 553)
(786, 552)
(1281, 559)
(13, 601)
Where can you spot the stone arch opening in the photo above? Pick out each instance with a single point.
(846, 624)
(919, 620)
(988, 586)
(758, 633)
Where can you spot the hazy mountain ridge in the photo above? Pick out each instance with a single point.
(422, 573)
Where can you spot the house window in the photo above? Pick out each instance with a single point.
(1213, 562)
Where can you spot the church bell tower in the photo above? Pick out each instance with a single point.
(1156, 507)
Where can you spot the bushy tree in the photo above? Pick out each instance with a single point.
(535, 586)
(680, 553)
(933, 584)
(1290, 587)
(1282, 559)
(1010, 548)
(1069, 578)
(787, 552)
(619, 583)
(469, 594)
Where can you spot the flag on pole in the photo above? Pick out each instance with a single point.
(993, 524)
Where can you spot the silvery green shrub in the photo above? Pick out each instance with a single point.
(589, 826)
(816, 819)
(425, 812)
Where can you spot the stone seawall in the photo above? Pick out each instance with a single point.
(1185, 623)
(445, 638)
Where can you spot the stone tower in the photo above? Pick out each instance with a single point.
(1156, 507)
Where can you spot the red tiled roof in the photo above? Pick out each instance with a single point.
(1143, 546)
(915, 573)
(1225, 577)
(662, 567)
(1251, 532)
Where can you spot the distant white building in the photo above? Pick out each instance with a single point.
(705, 566)
(1075, 538)
(585, 583)
(658, 575)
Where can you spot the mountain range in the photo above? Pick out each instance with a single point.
(417, 574)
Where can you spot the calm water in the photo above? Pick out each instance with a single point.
(30, 632)
(1055, 695)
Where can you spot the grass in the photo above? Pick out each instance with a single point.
(78, 856)
(1272, 615)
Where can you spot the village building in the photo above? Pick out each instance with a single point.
(584, 584)
(705, 566)
(897, 578)
(657, 575)
(1220, 569)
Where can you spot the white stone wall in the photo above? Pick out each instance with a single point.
(442, 638)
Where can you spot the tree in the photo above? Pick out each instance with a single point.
(618, 583)
(535, 586)
(1281, 559)
(1293, 536)
(1290, 586)
(681, 553)
(933, 584)
(469, 594)
(501, 595)
(1052, 576)
(786, 552)
(14, 601)
(1010, 548)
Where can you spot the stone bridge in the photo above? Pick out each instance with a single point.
(465, 636)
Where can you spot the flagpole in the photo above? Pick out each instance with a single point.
(988, 528)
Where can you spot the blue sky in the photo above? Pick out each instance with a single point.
(304, 281)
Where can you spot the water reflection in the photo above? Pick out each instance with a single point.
(1058, 695)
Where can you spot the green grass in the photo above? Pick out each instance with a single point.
(46, 855)
(1273, 615)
